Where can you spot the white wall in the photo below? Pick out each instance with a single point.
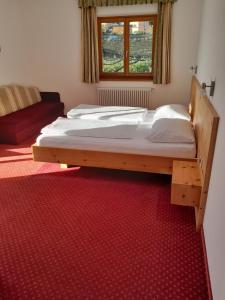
(211, 62)
(12, 55)
(53, 50)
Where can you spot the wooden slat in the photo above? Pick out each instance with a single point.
(122, 161)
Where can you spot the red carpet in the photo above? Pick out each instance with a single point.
(93, 234)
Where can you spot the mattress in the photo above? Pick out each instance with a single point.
(139, 144)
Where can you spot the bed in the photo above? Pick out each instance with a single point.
(134, 155)
(125, 146)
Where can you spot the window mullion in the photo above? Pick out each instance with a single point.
(126, 46)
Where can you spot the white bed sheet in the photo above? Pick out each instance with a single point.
(124, 114)
(137, 145)
(91, 128)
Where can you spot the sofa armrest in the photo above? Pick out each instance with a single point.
(50, 96)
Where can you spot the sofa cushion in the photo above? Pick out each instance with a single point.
(24, 95)
(16, 97)
(8, 102)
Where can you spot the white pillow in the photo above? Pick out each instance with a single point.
(171, 131)
(172, 111)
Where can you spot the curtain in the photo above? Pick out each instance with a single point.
(163, 44)
(95, 3)
(89, 45)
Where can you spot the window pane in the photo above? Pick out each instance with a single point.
(140, 52)
(112, 47)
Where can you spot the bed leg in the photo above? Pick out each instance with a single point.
(65, 166)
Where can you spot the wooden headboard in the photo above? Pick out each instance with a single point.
(205, 121)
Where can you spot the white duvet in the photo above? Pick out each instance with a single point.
(123, 114)
(91, 128)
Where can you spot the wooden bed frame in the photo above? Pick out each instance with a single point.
(205, 121)
(109, 160)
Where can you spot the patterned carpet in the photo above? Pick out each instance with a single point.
(93, 234)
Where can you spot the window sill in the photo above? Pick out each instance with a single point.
(126, 78)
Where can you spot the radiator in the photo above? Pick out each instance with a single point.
(138, 97)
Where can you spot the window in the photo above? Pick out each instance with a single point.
(126, 47)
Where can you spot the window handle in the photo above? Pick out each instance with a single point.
(126, 53)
